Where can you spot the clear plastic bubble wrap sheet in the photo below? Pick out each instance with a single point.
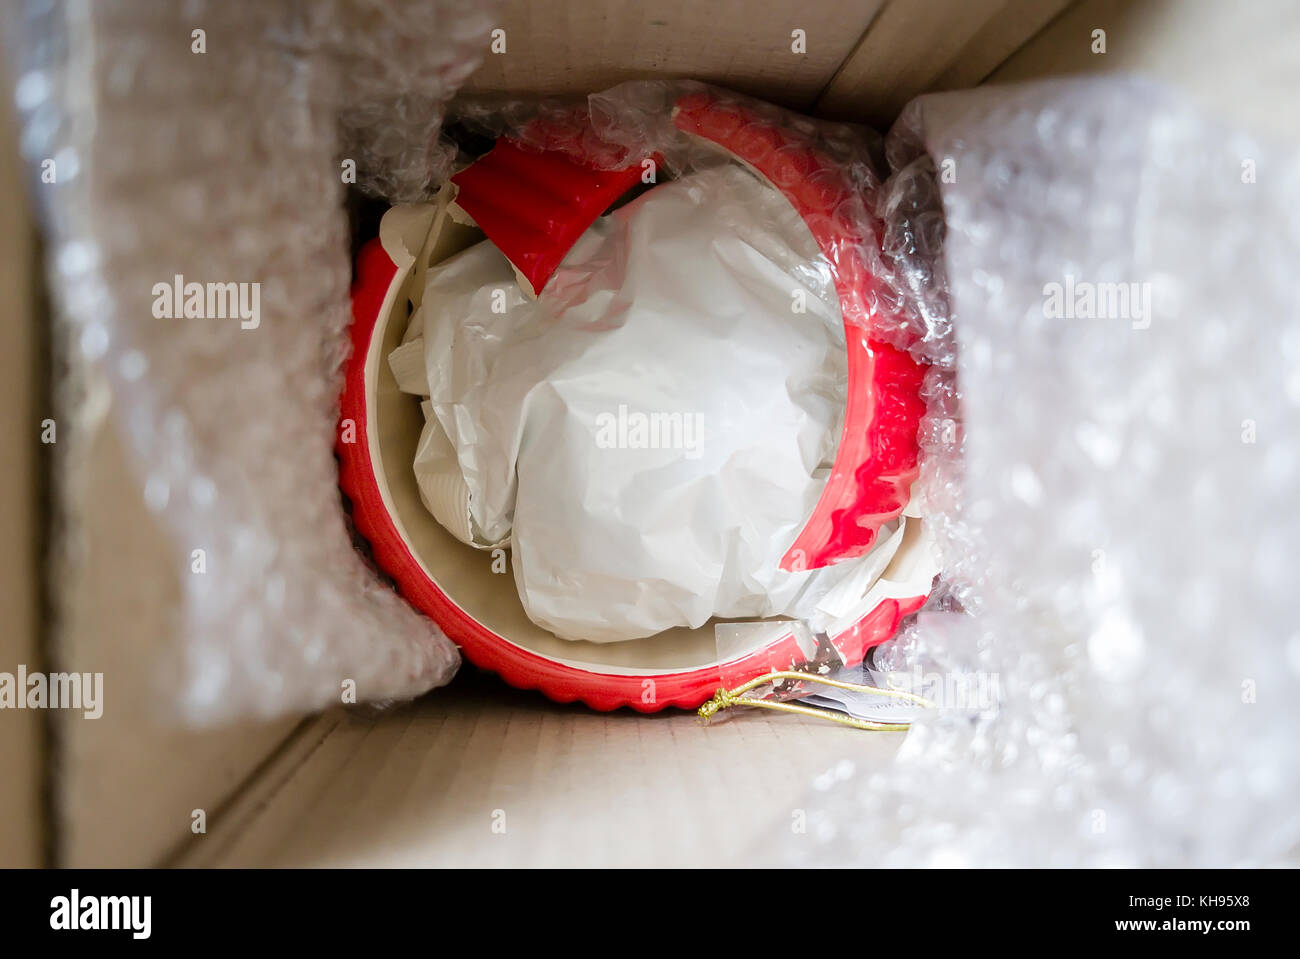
(1112, 447)
(209, 141)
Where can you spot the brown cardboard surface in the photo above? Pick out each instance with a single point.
(21, 839)
(916, 47)
(130, 780)
(577, 46)
(1237, 60)
(424, 785)
(124, 785)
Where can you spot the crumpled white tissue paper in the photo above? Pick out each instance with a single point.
(653, 431)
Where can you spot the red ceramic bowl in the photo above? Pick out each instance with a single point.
(474, 600)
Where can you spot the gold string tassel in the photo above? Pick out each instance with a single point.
(726, 698)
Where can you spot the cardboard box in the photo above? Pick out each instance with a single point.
(478, 774)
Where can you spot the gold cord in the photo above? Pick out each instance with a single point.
(725, 698)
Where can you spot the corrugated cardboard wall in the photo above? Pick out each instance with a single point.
(21, 819)
(859, 60)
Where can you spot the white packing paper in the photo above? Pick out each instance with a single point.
(654, 430)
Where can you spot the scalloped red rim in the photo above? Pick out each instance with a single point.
(878, 456)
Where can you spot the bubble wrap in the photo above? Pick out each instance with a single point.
(227, 166)
(1122, 533)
